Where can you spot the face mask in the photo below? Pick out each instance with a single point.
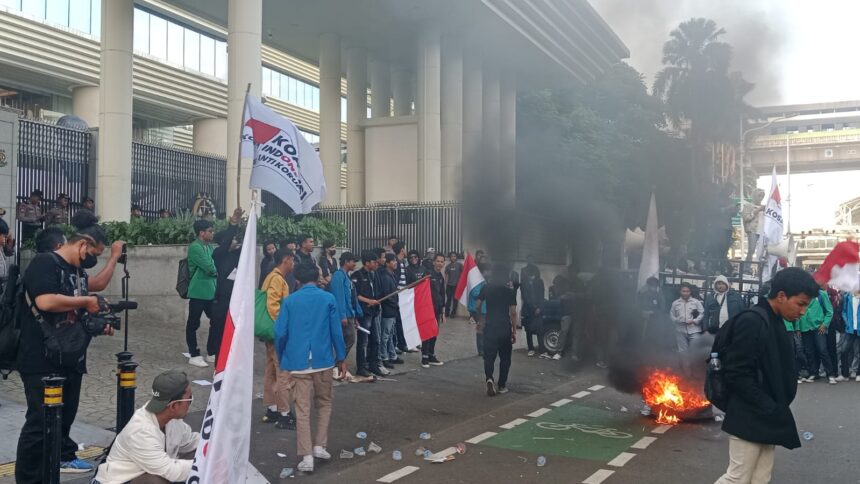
(332, 252)
(89, 261)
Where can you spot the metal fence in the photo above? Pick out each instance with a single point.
(167, 178)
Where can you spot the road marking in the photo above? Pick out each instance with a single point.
(598, 476)
(513, 423)
(582, 394)
(643, 443)
(597, 387)
(398, 474)
(539, 412)
(563, 401)
(622, 459)
(480, 438)
(661, 429)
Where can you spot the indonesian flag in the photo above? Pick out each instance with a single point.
(225, 436)
(417, 314)
(470, 278)
(285, 164)
(841, 267)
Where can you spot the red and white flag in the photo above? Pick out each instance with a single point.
(841, 267)
(225, 436)
(417, 314)
(285, 164)
(470, 278)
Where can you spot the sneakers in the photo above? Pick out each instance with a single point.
(76, 466)
(435, 362)
(271, 416)
(387, 364)
(211, 358)
(556, 356)
(197, 361)
(321, 453)
(425, 363)
(502, 390)
(306, 465)
(545, 356)
(286, 422)
(531, 353)
(396, 361)
(491, 388)
(831, 380)
(857, 378)
(801, 380)
(363, 373)
(380, 371)
(841, 378)
(853, 376)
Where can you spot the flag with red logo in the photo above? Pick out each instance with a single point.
(417, 314)
(285, 163)
(225, 435)
(470, 278)
(841, 267)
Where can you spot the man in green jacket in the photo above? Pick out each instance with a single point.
(813, 327)
(201, 292)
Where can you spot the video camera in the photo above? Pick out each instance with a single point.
(95, 324)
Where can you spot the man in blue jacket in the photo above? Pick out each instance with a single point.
(849, 346)
(346, 297)
(309, 343)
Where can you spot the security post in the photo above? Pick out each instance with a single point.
(53, 424)
(125, 378)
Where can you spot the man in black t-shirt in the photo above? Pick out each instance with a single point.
(499, 327)
(437, 293)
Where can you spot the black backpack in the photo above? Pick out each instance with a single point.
(716, 390)
(183, 278)
(11, 304)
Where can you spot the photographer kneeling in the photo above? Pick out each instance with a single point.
(151, 446)
(56, 331)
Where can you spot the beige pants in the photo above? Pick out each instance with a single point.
(316, 386)
(276, 383)
(749, 463)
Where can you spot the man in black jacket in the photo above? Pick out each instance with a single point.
(721, 306)
(437, 292)
(759, 371)
(226, 257)
(367, 346)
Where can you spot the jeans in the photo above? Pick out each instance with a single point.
(401, 340)
(683, 339)
(799, 354)
(387, 348)
(849, 353)
(501, 346)
(367, 348)
(479, 342)
(349, 335)
(568, 324)
(196, 308)
(450, 301)
(815, 346)
(529, 335)
(30, 459)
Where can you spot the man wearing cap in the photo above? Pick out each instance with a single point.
(148, 449)
(30, 215)
(60, 213)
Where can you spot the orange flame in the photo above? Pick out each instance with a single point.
(670, 395)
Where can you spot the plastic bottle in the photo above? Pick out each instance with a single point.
(427, 453)
(359, 451)
(715, 364)
(808, 436)
(361, 435)
(541, 461)
(286, 472)
(424, 436)
(396, 455)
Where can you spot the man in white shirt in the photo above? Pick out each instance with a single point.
(148, 449)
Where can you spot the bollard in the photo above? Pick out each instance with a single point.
(121, 357)
(125, 398)
(52, 433)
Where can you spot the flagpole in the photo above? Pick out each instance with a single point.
(410, 286)
(239, 155)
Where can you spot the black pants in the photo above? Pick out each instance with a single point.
(831, 351)
(401, 340)
(450, 301)
(497, 345)
(815, 346)
(28, 468)
(220, 308)
(196, 308)
(367, 346)
(428, 348)
(529, 335)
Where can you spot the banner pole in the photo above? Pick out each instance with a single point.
(410, 286)
(239, 155)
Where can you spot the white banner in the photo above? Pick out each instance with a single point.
(285, 164)
(772, 228)
(650, 264)
(225, 436)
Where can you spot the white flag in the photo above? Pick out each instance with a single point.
(225, 436)
(650, 265)
(772, 229)
(285, 164)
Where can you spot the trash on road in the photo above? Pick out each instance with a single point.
(541, 461)
(280, 454)
(424, 436)
(361, 435)
(443, 460)
(420, 451)
(373, 447)
(286, 472)
(808, 436)
(396, 455)
(624, 409)
(345, 454)
(461, 448)
(718, 418)
(359, 451)
(427, 453)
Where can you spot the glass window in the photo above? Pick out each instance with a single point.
(57, 11)
(13, 5)
(276, 84)
(291, 95)
(175, 40)
(96, 18)
(220, 60)
(207, 55)
(300, 93)
(141, 31)
(343, 110)
(192, 50)
(35, 8)
(157, 37)
(79, 15)
(266, 79)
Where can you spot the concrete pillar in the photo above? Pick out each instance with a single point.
(508, 122)
(473, 120)
(85, 104)
(452, 121)
(492, 129)
(113, 171)
(330, 115)
(244, 26)
(210, 136)
(356, 113)
(429, 105)
(380, 89)
(401, 90)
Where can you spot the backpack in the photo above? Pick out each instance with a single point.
(183, 278)
(716, 390)
(264, 326)
(11, 302)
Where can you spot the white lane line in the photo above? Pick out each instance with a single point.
(563, 401)
(581, 394)
(622, 459)
(398, 474)
(643, 443)
(597, 387)
(598, 476)
(661, 429)
(480, 438)
(513, 423)
(539, 412)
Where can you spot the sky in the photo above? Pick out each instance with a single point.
(795, 51)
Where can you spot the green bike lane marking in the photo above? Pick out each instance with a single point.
(574, 431)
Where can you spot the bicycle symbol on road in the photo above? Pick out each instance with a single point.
(588, 429)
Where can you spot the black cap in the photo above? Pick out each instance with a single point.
(167, 387)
